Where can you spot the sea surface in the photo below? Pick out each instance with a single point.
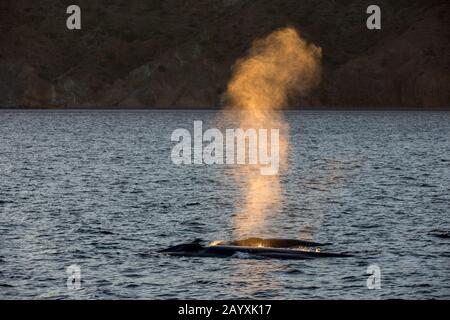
(98, 189)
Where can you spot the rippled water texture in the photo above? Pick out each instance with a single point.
(98, 189)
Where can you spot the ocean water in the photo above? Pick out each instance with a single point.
(97, 189)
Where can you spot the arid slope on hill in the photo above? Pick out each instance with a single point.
(179, 54)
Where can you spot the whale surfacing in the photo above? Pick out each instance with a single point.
(255, 247)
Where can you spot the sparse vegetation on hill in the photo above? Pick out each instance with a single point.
(178, 53)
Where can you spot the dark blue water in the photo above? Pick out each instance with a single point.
(98, 189)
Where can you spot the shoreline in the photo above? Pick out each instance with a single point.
(93, 108)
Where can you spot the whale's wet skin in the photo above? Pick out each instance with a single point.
(98, 189)
(255, 247)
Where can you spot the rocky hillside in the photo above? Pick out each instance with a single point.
(178, 53)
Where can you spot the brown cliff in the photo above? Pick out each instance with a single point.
(175, 53)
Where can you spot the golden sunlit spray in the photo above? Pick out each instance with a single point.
(277, 66)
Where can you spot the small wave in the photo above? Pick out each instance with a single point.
(442, 234)
(294, 271)
(243, 255)
(162, 181)
(367, 226)
(426, 185)
(191, 204)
